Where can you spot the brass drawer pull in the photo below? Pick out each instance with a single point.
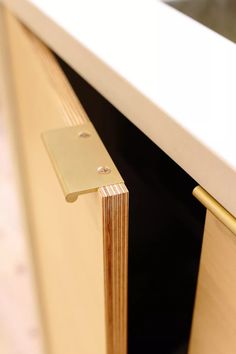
(215, 208)
(81, 161)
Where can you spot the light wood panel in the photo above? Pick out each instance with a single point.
(214, 321)
(80, 249)
(18, 303)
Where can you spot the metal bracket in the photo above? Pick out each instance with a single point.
(80, 160)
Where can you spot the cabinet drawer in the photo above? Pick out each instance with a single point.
(80, 248)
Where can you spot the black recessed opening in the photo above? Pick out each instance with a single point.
(165, 230)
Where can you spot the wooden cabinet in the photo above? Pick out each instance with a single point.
(80, 249)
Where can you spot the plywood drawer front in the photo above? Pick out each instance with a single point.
(79, 249)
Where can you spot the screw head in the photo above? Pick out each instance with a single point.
(103, 170)
(84, 134)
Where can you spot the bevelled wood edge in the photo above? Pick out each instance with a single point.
(215, 208)
(74, 113)
(115, 206)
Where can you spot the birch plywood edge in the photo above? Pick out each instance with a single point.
(53, 105)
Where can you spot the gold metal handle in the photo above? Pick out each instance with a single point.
(215, 208)
(80, 160)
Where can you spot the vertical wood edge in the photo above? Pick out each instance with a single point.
(11, 112)
(115, 208)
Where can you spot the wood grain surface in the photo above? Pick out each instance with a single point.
(214, 321)
(79, 249)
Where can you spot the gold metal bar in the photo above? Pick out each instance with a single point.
(81, 162)
(215, 208)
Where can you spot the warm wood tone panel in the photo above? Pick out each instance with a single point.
(80, 249)
(19, 320)
(214, 322)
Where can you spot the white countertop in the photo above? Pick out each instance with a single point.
(171, 76)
